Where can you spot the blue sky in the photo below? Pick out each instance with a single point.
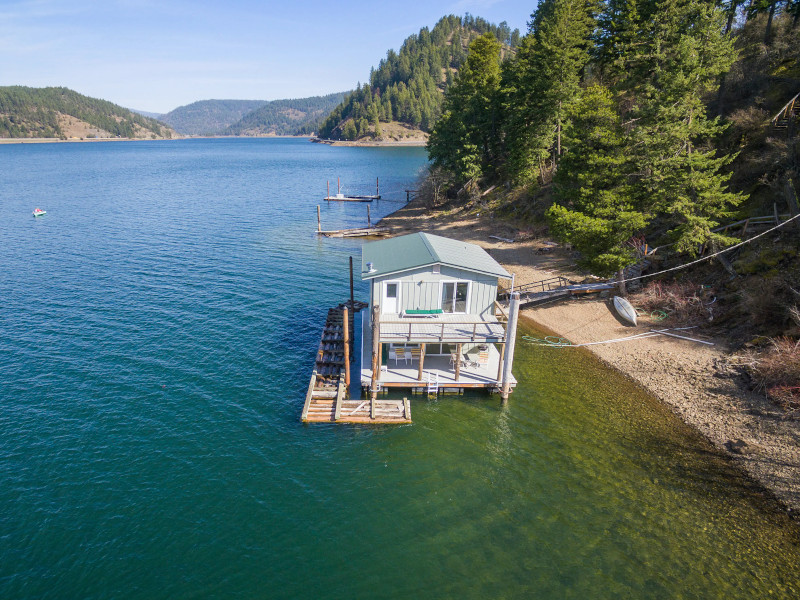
(156, 55)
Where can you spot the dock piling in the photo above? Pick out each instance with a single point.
(376, 350)
(511, 337)
(319, 220)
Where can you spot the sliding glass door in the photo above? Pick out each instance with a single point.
(454, 296)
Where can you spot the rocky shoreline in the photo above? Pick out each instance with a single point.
(695, 380)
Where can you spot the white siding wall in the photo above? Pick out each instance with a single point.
(421, 289)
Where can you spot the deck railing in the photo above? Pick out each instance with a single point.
(537, 286)
(409, 329)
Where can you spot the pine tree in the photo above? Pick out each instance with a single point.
(543, 78)
(464, 141)
(595, 206)
(682, 54)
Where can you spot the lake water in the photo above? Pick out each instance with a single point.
(157, 330)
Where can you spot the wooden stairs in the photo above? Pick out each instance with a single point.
(783, 120)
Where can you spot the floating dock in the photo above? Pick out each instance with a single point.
(362, 232)
(340, 197)
(368, 231)
(343, 198)
(327, 398)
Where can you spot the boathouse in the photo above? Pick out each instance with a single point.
(434, 323)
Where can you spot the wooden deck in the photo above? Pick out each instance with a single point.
(326, 398)
(402, 374)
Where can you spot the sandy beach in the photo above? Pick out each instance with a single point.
(696, 381)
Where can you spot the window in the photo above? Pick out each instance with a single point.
(454, 296)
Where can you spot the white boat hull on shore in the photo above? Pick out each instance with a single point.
(625, 310)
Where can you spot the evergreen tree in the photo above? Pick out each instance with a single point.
(543, 78)
(596, 207)
(464, 140)
(684, 51)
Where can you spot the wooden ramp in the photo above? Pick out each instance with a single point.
(326, 397)
(357, 232)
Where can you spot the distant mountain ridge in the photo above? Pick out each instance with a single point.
(58, 112)
(209, 117)
(300, 116)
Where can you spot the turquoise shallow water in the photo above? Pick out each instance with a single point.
(157, 331)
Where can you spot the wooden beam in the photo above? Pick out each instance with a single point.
(421, 361)
(376, 347)
(309, 393)
(346, 326)
(340, 393)
(511, 337)
(500, 366)
(407, 406)
(458, 361)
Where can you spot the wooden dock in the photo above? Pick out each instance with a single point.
(343, 198)
(327, 396)
(339, 197)
(357, 232)
(368, 231)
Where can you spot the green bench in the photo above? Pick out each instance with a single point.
(422, 312)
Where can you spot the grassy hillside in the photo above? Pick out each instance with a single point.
(57, 112)
(299, 116)
(209, 117)
(407, 87)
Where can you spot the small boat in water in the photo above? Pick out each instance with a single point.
(624, 309)
(38, 212)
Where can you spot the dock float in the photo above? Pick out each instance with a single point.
(327, 398)
(340, 197)
(368, 231)
(357, 232)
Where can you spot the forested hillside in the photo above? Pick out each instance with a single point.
(407, 86)
(52, 112)
(300, 116)
(607, 113)
(209, 117)
(633, 126)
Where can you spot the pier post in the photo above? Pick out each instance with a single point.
(369, 219)
(458, 361)
(511, 338)
(421, 360)
(376, 349)
(319, 221)
(352, 298)
(500, 365)
(346, 326)
(377, 187)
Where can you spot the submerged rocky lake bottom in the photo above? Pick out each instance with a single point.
(157, 332)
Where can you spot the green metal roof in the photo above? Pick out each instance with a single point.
(422, 249)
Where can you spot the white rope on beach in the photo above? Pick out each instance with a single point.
(564, 343)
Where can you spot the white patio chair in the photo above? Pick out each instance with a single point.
(400, 354)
